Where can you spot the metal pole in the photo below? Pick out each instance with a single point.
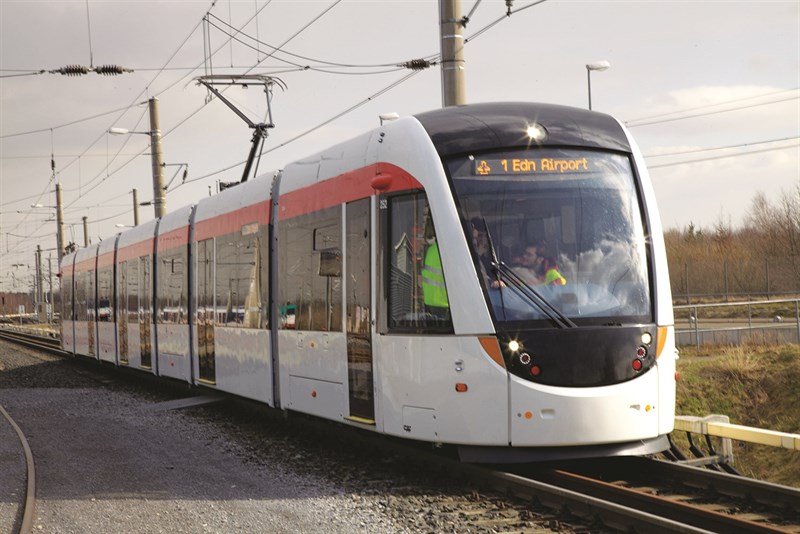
(156, 154)
(85, 231)
(686, 281)
(726, 280)
(589, 85)
(452, 48)
(60, 223)
(797, 318)
(39, 286)
(50, 286)
(136, 207)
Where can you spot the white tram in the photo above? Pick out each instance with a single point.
(383, 283)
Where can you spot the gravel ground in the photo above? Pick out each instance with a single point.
(108, 459)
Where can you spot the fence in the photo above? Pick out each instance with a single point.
(732, 323)
(703, 279)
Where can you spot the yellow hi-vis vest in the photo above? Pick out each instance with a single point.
(554, 278)
(433, 288)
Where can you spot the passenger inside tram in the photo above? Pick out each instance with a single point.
(535, 267)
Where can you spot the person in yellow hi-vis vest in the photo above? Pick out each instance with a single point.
(434, 292)
(536, 269)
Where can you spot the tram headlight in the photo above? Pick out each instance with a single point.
(647, 338)
(536, 132)
(513, 345)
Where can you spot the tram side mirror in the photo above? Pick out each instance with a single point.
(330, 263)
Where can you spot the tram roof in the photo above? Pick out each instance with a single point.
(479, 127)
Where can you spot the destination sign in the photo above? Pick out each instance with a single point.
(485, 167)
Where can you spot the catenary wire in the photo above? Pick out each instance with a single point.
(659, 115)
(724, 156)
(695, 151)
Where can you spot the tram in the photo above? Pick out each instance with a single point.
(490, 277)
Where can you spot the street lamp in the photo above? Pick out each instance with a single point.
(59, 221)
(159, 196)
(598, 66)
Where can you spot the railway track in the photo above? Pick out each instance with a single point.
(49, 344)
(696, 497)
(592, 504)
(612, 495)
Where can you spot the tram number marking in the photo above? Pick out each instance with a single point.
(383, 204)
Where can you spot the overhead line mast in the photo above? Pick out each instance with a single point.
(451, 26)
(452, 47)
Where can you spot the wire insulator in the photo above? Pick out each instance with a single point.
(417, 64)
(111, 70)
(71, 70)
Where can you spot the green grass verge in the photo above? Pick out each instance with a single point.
(756, 386)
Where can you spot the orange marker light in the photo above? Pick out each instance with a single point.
(381, 182)
(461, 387)
(528, 415)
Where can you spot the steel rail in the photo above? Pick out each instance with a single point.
(32, 341)
(683, 512)
(26, 526)
(611, 514)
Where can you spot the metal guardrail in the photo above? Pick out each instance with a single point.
(720, 426)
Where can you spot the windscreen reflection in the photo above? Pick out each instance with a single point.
(559, 226)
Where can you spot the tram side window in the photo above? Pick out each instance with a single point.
(417, 294)
(67, 299)
(240, 283)
(171, 287)
(132, 291)
(105, 278)
(80, 296)
(310, 272)
(91, 296)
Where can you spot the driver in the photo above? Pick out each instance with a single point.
(536, 268)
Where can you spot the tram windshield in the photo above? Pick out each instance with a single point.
(557, 235)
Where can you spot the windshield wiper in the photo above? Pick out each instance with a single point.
(533, 296)
(502, 271)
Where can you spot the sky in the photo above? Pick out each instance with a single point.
(709, 89)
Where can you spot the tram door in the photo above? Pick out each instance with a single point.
(205, 310)
(359, 313)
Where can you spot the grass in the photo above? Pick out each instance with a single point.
(754, 385)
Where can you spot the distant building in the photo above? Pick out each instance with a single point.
(10, 303)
